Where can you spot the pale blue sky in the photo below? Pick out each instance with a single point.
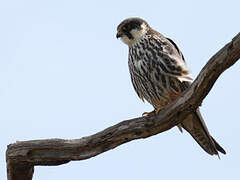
(63, 74)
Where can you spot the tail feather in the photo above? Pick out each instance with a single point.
(219, 148)
(196, 126)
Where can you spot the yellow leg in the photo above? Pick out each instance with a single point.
(155, 112)
(148, 113)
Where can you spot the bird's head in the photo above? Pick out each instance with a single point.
(131, 30)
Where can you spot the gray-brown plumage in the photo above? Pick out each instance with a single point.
(159, 75)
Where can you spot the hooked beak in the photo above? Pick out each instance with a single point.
(118, 35)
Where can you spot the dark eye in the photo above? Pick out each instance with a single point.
(124, 28)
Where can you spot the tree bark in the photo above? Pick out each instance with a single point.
(24, 155)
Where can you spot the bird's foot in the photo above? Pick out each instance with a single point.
(147, 114)
(154, 112)
(157, 110)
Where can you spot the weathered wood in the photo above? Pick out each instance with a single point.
(23, 156)
(22, 171)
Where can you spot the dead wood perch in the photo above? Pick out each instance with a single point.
(23, 156)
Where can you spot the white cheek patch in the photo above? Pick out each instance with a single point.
(138, 34)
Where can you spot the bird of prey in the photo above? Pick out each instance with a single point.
(159, 74)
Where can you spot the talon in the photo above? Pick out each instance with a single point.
(148, 113)
(158, 110)
(155, 112)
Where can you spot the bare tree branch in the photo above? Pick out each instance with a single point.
(23, 156)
